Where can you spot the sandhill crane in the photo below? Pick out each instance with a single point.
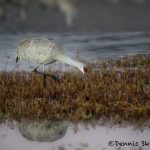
(43, 52)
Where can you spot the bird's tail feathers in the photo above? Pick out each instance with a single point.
(17, 59)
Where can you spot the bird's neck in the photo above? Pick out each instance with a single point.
(67, 60)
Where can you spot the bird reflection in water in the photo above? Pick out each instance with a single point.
(42, 131)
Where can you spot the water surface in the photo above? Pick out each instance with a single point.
(79, 137)
(85, 46)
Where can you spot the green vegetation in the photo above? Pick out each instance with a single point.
(119, 89)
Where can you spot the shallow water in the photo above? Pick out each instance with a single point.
(80, 137)
(84, 46)
(90, 47)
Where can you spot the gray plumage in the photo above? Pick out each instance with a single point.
(41, 51)
(44, 51)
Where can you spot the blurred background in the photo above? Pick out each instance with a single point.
(89, 29)
(74, 15)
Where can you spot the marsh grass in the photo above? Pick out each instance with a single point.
(103, 92)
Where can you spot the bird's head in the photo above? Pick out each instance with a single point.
(83, 69)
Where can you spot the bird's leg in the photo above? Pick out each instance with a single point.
(35, 69)
(44, 76)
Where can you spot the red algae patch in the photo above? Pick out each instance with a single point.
(105, 91)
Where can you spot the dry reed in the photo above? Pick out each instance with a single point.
(106, 91)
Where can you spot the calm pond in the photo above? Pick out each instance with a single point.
(47, 135)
